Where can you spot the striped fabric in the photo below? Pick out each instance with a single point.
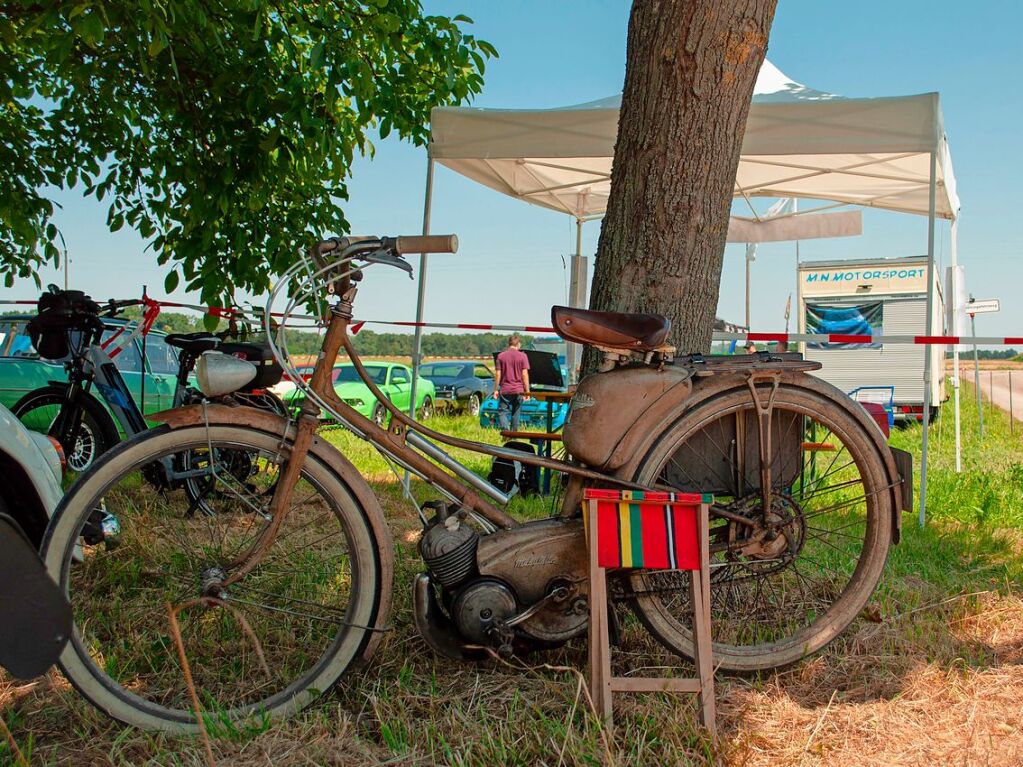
(651, 531)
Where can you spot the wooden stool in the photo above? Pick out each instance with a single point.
(650, 531)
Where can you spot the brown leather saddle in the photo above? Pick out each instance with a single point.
(611, 330)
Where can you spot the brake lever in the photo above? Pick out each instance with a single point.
(384, 256)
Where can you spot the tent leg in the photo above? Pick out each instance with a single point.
(751, 256)
(417, 342)
(954, 330)
(928, 354)
(577, 296)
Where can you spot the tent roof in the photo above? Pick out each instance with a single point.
(799, 142)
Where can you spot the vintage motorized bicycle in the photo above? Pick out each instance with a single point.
(277, 606)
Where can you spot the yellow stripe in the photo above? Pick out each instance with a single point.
(626, 541)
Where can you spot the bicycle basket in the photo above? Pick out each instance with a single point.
(58, 313)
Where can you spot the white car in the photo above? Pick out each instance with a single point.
(32, 468)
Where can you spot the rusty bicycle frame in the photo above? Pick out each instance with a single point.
(404, 437)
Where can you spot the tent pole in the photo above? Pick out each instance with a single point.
(928, 354)
(577, 295)
(751, 250)
(954, 330)
(417, 342)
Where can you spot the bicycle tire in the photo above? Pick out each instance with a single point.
(100, 426)
(696, 429)
(136, 696)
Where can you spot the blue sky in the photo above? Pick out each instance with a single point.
(510, 268)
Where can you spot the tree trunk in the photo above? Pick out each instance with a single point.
(690, 70)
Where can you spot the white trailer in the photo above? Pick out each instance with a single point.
(890, 297)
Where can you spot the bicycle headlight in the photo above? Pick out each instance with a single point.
(218, 373)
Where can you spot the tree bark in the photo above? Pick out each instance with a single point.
(690, 70)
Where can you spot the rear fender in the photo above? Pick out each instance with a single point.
(641, 437)
(264, 421)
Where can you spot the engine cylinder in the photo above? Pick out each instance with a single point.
(449, 550)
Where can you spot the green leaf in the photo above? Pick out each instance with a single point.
(170, 282)
(210, 322)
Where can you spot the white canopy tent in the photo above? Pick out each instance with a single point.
(889, 153)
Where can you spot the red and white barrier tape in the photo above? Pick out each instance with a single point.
(787, 338)
(840, 338)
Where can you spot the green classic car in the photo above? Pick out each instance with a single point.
(393, 379)
(22, 371)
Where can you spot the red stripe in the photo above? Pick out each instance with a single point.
(935, 339)
(654, 536)
(537, 329)
(1013, 340)
(468, 326)
(687, 544)
(608, 552)
(780, 337)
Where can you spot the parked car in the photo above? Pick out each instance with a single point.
(461, 384)
(32, 468)
(23, 371)
(393, 379)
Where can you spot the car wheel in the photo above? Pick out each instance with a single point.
(379, 415)
(426, 410)
(474, 405)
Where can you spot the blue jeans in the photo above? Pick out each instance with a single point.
(508, 406)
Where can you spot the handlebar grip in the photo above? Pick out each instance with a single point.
(427, 243)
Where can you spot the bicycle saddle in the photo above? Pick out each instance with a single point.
(193, 343)
(611, 330)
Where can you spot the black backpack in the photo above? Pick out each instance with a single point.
(507, 474)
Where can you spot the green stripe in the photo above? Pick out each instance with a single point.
(636, 533)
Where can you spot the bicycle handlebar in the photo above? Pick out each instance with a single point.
(426, 243)
(419, 243)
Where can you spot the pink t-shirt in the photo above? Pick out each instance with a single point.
(510, 364)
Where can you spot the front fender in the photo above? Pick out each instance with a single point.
(640, 438)
(278, 426)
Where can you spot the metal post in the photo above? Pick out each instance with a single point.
(976, 373)
(577, 295)
(417, 342)
(931, 208)
(954, 330)
(751, 251)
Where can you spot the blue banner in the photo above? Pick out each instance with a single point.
(860, 319)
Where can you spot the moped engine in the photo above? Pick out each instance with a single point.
(513, 590)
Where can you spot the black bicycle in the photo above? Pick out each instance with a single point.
(70, 326)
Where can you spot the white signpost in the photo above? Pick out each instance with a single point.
(984, 306)
(973, 308)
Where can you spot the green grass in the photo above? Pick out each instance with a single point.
(922, 672)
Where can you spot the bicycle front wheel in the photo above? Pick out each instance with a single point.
(265, 645)
(788, 575)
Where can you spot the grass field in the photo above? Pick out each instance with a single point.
(930, 673)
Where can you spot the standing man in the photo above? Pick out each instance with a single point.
(511, 384)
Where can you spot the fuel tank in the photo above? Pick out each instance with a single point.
(605, 407)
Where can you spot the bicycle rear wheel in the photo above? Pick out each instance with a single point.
(782, 586)
(306, 609)
(96, 434)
